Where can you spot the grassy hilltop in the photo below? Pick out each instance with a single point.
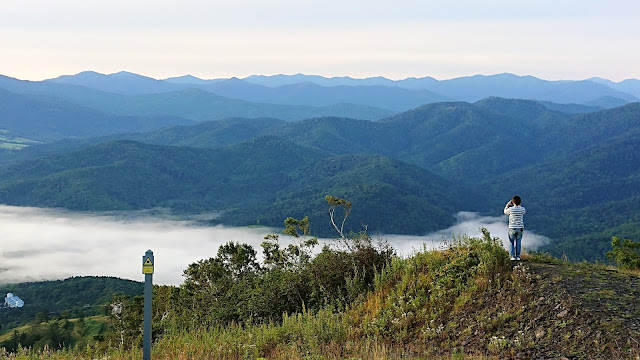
(466, 301)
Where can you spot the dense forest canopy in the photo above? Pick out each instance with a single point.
(409, 174)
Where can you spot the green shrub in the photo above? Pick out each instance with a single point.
(625, 253)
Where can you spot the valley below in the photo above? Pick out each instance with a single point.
(51, 244)
(390, 194)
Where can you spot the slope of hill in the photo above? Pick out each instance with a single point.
(570, 108)
(193, 104)
(213, 134)
(45, 119)
(201, 106)
(208, 134)
(86, 295)
(9, 141)
(607, 102)
(447, 133)
(389, 197)
(539, 311)
(466, 142)
(465, 301)
(262, 181)
(582, 131)
(427, 136)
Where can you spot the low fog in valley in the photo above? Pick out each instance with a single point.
(46, 244)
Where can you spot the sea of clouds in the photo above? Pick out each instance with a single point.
(46, 244)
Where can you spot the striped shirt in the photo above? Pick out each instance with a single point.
(516, 215)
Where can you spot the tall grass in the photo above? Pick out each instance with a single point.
(412, 313)
(419, 298)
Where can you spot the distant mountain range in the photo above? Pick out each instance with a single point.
(381, 92)
(47, 119)
(630, 86)
(65, 102)
(474, 88)
(92, 104)
(304, 93)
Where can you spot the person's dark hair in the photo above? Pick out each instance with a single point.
(516, 200)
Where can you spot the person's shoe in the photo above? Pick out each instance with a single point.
(518, 258)
(512, 258)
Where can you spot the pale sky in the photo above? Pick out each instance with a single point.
(559, 39)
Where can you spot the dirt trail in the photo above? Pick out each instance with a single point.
(583, 312)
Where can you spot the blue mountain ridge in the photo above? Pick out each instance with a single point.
(381, 92)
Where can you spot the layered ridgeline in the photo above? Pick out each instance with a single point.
(465, 142)
(93, 104)
(46, 119)
(396, 95)
(473, 88)
(302, 93)
(494, 147)
(301, 96)
(188, 103)
(260, 181)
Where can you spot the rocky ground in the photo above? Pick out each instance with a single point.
(579, 311)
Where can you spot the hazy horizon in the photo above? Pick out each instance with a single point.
(322, 75)
(547, 39)
(50, 244)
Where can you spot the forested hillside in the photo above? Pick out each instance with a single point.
(260, 181)
(570, 169)
(77, 296)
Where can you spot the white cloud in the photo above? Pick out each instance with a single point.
(40, 244)
(468, 223)
(45, 244)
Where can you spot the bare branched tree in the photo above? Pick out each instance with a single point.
(335, 203)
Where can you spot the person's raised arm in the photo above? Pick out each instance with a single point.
(507, 209)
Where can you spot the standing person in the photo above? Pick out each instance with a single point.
(516, 225)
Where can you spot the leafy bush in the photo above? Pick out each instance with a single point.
(625, 253)
(233, 288)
